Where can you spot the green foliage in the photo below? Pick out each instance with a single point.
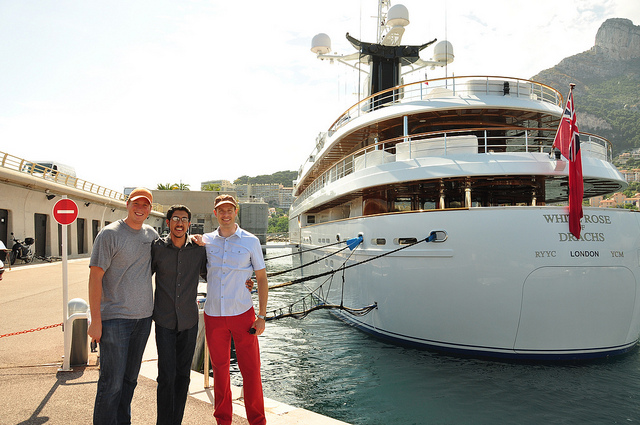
(616, 101)
(214, 187)
(173, 186)
(607, 95)
(284, 178)
(629, 165)
(278, 224)
(632, 189)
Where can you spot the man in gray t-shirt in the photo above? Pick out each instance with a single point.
(121, 303)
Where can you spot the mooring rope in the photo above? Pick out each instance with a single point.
(430, 238)
(307, 264)
(318, 294)
(305, 311)
(305, 250)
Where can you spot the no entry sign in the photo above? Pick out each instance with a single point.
(65, 211)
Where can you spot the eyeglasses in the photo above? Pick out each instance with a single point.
(183, 219)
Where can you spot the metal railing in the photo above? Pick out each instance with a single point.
(466, 86)
(441, 88)
(40, 171)
(467, 141)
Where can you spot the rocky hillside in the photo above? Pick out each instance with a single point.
(607, 79)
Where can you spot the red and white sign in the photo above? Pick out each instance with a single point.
(65, 211)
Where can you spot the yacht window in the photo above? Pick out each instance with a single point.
(429, 204)
(374, 206)
(402, 204)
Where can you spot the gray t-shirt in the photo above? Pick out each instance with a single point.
(125, 256)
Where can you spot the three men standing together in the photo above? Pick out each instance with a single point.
(121, 303)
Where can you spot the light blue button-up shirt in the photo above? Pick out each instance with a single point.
(230, 262)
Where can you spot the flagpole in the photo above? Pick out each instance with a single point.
(573, 108)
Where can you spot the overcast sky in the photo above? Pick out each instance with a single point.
(141, 92)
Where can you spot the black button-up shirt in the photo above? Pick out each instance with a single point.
(177, 273)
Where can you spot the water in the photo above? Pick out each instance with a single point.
(323, 365)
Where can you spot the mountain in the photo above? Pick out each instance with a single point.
(284, 178)
(607, 78)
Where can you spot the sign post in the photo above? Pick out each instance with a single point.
(65, 212)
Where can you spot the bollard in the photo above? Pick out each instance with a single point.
(79, 354)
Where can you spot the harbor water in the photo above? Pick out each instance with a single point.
(321, 364)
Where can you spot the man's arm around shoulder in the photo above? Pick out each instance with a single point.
(263, 295)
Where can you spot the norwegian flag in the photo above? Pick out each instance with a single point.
(568, 142)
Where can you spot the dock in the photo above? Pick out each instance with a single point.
(34, 391)
(275, 245)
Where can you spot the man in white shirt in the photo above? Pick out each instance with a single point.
(233, 255)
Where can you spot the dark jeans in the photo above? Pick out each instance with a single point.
(175, 354)
(121, 348)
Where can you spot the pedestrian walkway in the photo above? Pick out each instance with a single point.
(34, 391)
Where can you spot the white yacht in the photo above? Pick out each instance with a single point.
(468, 161)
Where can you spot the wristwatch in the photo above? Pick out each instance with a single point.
(260, 316)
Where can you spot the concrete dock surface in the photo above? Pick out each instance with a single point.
(34, 391)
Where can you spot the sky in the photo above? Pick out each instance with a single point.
(141, 92)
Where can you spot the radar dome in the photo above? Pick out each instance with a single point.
(398, 16)
(321, 44)
(443, 52)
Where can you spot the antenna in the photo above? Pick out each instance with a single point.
(383, 8)
(387, 57)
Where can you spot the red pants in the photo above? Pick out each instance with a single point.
(219, 330)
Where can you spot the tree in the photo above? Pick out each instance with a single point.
(278, 224)
(284, 178)
(632, 189)
(173, 186)
(180, 186)
(214, 187)
(242, 180)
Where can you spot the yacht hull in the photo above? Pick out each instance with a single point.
(505, 282)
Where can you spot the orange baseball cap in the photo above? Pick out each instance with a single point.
(141, 192)
(224, 199)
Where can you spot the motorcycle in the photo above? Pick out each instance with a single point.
(21, 250)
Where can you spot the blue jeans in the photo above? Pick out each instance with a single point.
(175, 354)
(121, 348)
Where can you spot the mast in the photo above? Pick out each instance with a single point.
(383, 9)
(387, 56)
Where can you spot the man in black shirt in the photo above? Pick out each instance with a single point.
(178, 263)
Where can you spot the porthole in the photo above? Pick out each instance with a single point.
(405, 241)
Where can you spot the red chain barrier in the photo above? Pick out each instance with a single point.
(32, 330)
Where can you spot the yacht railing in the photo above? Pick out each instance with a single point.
(40, 171)
(467, 86)
(442, 88)
(455, 142)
